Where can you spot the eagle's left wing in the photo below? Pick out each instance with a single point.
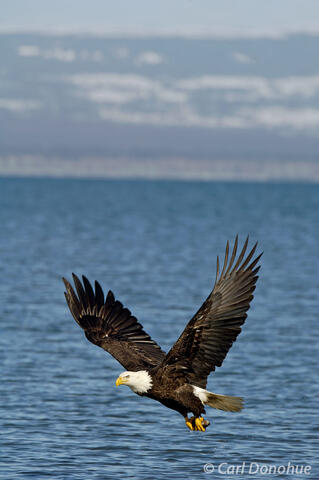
(209, 335)
(109, 325)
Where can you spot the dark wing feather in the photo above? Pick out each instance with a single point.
(109, 325)
(207, 338)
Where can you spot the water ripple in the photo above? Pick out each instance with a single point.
(155, 245)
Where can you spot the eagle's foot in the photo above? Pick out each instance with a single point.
(198, 424)
(189, 423)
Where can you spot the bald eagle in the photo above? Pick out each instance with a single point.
(176, 379)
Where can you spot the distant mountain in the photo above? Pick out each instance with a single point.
(154, 98)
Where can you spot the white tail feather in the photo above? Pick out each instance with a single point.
(224, 402)
(221, 402)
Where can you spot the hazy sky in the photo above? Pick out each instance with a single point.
(163, 15)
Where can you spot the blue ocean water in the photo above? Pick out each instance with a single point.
(155, 245)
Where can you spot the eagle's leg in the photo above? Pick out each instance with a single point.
(189, 423)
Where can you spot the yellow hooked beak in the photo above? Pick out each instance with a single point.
(120, 381)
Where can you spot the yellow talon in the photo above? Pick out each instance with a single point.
(189, 423)
(198, 424)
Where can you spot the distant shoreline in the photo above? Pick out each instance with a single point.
(175, 168)
(186, 33)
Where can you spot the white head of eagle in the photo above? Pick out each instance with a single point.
(139, 382)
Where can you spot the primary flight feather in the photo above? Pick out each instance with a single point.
(177, 379)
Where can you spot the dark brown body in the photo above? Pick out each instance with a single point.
(174, 393)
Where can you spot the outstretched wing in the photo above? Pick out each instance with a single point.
(109, 325)
(207, 338)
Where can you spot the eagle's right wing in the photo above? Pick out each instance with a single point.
(109, 325)
(209, 335)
